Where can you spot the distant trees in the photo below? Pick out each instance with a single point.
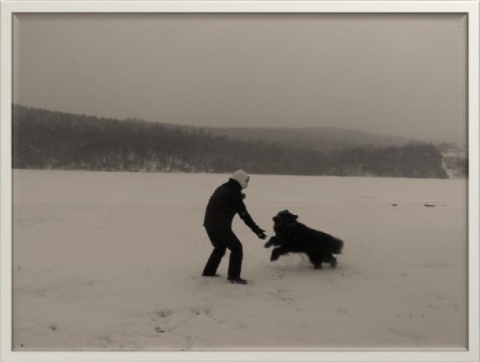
(413, 160)
(53, 140)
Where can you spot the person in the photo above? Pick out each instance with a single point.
(225, 202)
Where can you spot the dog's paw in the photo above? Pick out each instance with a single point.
(270, 242)
(274, 257)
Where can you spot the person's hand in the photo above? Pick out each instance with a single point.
(261, 234)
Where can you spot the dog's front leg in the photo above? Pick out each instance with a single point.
(271, 242)
(277, 252)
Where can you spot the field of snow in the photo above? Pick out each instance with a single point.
(112, 261)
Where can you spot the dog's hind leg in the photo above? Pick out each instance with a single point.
(315, 260)
(330, 259)
(333, 262)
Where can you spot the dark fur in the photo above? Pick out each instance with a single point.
(294, 237)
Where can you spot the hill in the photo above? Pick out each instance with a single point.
(324, 139)
(44, 139)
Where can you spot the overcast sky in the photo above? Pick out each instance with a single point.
(399, 74)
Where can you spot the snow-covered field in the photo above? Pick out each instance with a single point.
(113, 261)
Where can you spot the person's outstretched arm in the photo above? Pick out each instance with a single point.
(247, 218)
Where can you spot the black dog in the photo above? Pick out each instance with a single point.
(294, 237)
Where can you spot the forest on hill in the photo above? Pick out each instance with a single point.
(44, 139)
(324, 139)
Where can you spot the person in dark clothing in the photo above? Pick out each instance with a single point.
(224, 204)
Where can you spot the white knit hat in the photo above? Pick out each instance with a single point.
(241, 177)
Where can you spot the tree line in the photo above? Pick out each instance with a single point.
(45, 139)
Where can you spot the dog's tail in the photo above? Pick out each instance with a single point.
(337, 246)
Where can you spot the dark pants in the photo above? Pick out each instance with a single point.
(221, 241)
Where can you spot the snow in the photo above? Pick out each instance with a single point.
(112, 261)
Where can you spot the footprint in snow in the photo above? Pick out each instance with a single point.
(283, 295)
(202, 310)
(160, 330)
(161, 314)
(162, 317)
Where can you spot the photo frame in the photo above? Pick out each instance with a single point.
(9, 9)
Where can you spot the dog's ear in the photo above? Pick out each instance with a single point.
(287, 212)
(291, 215)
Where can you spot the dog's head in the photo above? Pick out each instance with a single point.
(285, 217)
(282, 223)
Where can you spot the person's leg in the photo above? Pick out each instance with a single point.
(216, 238)
(236, 255)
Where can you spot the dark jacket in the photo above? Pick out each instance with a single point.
(225, 202)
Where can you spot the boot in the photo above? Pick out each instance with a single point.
(237, 280)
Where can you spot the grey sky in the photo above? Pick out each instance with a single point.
(395, 74)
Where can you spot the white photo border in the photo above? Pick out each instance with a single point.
(10, 8)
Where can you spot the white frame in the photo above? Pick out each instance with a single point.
(9, 8)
